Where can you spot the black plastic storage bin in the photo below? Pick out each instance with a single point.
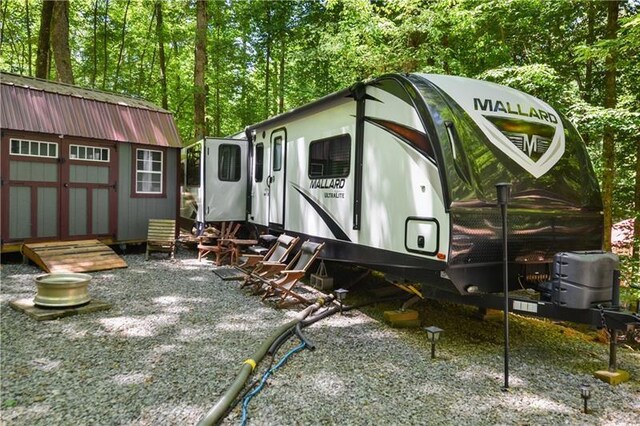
(582, 279)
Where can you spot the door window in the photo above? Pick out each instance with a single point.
(277, 154)
(259, 163)
(229, 163)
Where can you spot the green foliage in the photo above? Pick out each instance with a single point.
(267, 56)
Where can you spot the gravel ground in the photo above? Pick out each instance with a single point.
(177, 335)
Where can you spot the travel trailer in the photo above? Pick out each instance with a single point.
(398, 174)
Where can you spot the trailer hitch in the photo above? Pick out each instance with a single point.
(615, 319)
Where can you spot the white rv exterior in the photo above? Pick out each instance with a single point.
(214, 180)
(399, 174)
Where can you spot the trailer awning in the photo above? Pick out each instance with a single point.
(34, 105)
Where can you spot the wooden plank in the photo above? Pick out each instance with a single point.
(43, 314)
(73, 256)
(65, 252)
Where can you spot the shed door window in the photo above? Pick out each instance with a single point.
(148, 171)
(31, 148)
(330, 158)
(259, 171)
(229, 163)
(88, 153)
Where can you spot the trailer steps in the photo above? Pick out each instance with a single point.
(73, 256)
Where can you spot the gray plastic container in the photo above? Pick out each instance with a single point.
(582, 279)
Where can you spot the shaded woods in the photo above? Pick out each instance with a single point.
(221, 65)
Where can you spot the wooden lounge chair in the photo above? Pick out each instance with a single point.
(277, 253)
(161, 237)
(287, 278)
(221, 248)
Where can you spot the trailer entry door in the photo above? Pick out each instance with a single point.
(276, 180)
(225, 180)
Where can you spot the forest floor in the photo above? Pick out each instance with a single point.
(177, 335)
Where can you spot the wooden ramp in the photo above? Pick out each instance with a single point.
(73, 256)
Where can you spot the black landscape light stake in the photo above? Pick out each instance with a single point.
(433, 334)
(341, 294)
(585, 393)
(503, 190)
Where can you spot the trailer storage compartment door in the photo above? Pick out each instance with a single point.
(225, 180)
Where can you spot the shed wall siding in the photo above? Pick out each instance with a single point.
(20, 212)
(47, 212)
(134, 213)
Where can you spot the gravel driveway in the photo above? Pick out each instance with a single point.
(177, 335)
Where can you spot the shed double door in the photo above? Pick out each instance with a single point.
(57, 189)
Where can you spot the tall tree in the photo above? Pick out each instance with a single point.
(267, 75)
(105, 44)
(608, 140)
(60, 41)
(94, 45)
(200, 93)
(28, 24)
(636, 223)
(44, 38)
(122, 40)
(161, 57)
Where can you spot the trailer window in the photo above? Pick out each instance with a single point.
(330, 157)
(229, 163)
(148, 171)
(259, 164)
(277, 154)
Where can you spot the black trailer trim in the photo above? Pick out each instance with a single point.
(413, 268)
(251, 138)
(597, 317)
(360, 92)
(331, 224)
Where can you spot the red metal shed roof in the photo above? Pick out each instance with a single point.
(35, 105)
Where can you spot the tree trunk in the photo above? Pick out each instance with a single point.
(608, 141)
(44, 37)
(122, 39)
(28, 19)
(161, 59)
(283, 51)
(635, 269)
(60, 41)
(105, 38)
(591, 38)
(200, 94)
(94, 71)
(4, 20)
(267, 75)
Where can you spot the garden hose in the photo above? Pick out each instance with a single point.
(218, 410)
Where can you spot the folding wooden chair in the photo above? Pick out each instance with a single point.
(277, 253)
(221, 249)
(161, 237)
(288, 277)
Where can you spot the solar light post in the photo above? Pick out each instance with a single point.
(503, 192)
(585, 393)
(341, 294)
(433, 334)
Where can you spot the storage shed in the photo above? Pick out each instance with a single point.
(78, 164)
